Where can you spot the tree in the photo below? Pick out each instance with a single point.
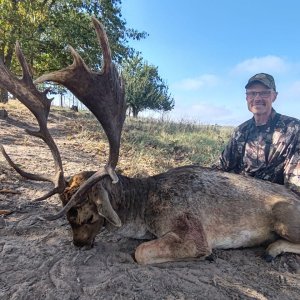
(144, 89)
(46, 27)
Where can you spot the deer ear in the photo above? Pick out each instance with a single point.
(105, 209)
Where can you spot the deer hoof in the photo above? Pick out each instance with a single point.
(210, 258)
(268, 258)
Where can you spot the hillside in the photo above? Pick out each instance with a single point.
(38, 260)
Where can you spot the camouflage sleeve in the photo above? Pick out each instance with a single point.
(228, 160)
(292, 168)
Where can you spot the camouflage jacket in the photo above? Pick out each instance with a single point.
(270, 152)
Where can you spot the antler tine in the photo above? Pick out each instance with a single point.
(38, 103)
(101, 92)
(103, 41)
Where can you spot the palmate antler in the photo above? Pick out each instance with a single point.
(38, 103)
(101, 92)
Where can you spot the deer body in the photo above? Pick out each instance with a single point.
(191, 210)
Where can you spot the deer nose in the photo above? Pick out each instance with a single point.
(86, 245)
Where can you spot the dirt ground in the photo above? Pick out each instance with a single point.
(38, 260)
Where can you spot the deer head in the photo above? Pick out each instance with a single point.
(87, 217)
(103, 94)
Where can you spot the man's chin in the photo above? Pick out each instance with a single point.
(258, 109)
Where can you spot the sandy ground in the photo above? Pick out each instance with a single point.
(38, 260)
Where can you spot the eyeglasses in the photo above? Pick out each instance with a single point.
(263, 94)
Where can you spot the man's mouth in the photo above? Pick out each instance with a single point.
(259, 104)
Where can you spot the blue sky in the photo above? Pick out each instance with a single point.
(206, 50)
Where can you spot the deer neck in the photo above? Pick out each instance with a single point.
(129, 199)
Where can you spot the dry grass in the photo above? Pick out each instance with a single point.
(148, 146)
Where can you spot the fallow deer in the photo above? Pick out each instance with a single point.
(185, 212)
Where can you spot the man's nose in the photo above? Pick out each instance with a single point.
(257, 95)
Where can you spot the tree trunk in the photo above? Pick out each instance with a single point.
(7, 59)
(3, 96)
(135, 112)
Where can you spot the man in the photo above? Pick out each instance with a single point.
(268, 145)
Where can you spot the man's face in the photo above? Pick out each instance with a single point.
(260, 99)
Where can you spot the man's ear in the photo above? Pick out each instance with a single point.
(275, 97)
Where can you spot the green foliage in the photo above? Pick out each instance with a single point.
(144, 87)
(46, 27)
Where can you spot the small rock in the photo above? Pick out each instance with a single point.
(3, 114)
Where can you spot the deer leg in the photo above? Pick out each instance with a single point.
(287, 225)
(287, 221)
(186, 239)
(170, 247)
(281, 246)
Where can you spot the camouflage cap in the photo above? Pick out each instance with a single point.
(263, 78)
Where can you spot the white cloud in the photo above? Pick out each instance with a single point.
(294, 89)
(210, 110)
(269, 64)
(290, 92)
(196, 83)
(203, 112)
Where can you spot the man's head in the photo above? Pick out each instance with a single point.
(264, 78)
(260, 94)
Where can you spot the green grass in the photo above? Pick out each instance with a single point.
(150, 146)
(176, 143)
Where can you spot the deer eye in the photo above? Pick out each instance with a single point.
(90, 220)
(73, 212)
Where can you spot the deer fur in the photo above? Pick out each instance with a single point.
(187, 212)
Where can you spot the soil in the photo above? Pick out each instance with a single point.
(39, 261)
